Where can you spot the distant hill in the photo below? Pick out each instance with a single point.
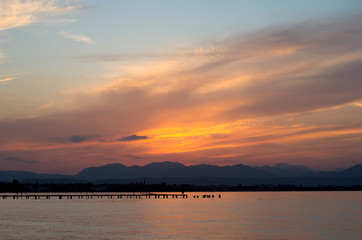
(173, 172)
(8, 176)
(170, 170)
(286, 170)
(339, 169)
(355, 171)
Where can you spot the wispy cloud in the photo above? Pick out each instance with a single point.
(47, 106)
(6, 80)
(17, 13)
(118, 57)
(20, 13)
(77, 37)
(181, 53)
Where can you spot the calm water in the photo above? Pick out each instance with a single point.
(268, 215)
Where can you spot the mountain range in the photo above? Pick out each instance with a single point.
(177, 173)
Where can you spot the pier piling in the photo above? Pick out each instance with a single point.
(91, 195)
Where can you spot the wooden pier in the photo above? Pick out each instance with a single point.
(91, 195)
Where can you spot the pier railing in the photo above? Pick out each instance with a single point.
(100, 195)
(90, 195)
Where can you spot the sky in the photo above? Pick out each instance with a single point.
(88, 83)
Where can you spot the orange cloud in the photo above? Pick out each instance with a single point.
(271, 95)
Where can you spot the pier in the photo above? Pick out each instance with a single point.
(91, 195)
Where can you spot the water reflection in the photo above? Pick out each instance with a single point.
(253, 215)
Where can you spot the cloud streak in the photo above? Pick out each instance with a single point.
(77, 37)
(6, 80)
(78, 138)
(19, 160)
(132, 138)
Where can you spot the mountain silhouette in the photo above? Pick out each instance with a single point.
(286, 170)
(170, 169)
(7, 176)
(204, 174)
(355, 171)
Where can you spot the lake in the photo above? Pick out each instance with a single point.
(236, 215)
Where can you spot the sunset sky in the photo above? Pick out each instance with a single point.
(87, 83)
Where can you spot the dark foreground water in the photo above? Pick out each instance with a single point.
(244, 215)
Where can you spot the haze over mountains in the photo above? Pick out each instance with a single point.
(177, 173)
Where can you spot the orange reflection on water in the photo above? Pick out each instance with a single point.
(236, 215)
